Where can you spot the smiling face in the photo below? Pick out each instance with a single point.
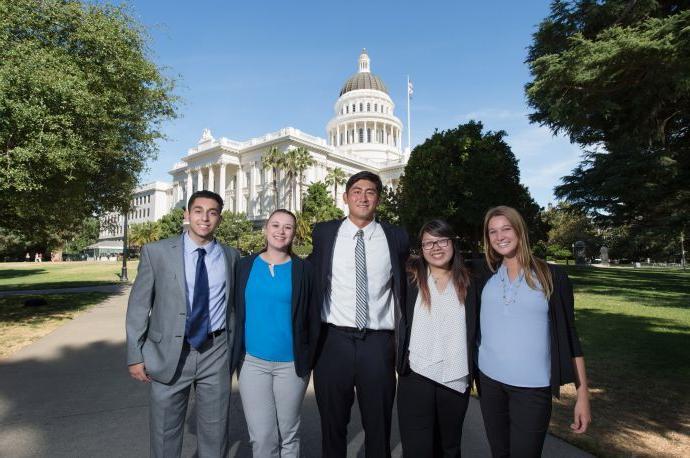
(502, 236)
(362, 199)
(280, 231)
(437, 250)
(204, 218)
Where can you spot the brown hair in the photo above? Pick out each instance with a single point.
(418, 268)
(529, 263)
(286, 212)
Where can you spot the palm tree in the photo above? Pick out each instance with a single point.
(143, 233)
(335, 177)
(292, 166)
(303, 161)
(274, 159)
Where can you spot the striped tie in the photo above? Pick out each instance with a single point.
(362, 311)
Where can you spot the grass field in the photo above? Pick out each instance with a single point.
(635, 330)
(20, 326)
(28, 275)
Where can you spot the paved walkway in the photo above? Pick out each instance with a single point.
(69, 395)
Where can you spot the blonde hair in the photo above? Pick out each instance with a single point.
(528, 262)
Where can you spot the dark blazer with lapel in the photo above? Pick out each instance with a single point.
(306, 318)
(157, 307)
(403, 360)
(565, 343)
(323, 240)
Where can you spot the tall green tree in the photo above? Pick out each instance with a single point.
(567, 225)
(295, 162)
(232, 227)
(318, 205)
(303, 161)
(274, 160)
(87, 235)
(81, 105)
(614, 75)
(389, 205)
(172, 223)
(143, 233)
(458, 174)
(335, 176)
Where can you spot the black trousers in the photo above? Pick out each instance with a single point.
(516, 418)
(430, 417)
(349, 360)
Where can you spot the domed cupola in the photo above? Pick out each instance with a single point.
(364, 125)
(363, 79)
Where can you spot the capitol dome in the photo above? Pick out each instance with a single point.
(363, 79)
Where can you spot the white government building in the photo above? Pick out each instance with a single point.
(364, 134)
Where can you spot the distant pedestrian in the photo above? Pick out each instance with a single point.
(27, 257)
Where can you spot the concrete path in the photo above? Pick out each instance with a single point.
(69, 395)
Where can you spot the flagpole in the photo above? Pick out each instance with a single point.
(409, 129)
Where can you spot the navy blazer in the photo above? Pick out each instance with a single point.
(306, 319)
(565, 343)
(403, 361)
(323, 240)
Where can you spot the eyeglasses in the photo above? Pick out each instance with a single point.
(429, 245)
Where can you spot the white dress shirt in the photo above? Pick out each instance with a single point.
(438, 342)
(341, 308)
(215, 269)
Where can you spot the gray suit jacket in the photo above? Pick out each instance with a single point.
(157, 307)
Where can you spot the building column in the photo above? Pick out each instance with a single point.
(239, 195)
(251, 211)
(337, 135)
(189, 186)
(211, 179)
(221, 183)
(200, 179)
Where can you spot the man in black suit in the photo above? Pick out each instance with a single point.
(360, 282)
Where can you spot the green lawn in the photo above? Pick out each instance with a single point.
(20, 325)
(635, 329)
(20, 275)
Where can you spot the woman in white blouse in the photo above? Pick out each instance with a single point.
(435, 363)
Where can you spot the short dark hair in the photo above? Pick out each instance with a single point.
(207, 194)
(365, 175)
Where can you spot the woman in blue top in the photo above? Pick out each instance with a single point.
(528, 346)
(276, 335)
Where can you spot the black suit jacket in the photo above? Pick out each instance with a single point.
(564, 341)
(323, 240)
(403, 360)
(306, 319)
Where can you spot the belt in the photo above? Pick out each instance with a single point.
(357, 331)
(214, 334)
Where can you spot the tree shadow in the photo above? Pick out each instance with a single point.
(645, 287)
(13, 311)
(639, 369)
(18, 273)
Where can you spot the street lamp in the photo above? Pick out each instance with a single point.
(123, 274)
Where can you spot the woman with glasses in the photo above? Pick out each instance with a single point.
(277, 328)
(528, 346)
(435, 362)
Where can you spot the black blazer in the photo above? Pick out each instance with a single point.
(403, 361)
(323, 240)
(565, 343)
(306, 319)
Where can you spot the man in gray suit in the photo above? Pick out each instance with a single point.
(180, 323)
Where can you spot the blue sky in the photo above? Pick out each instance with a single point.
(248, 68)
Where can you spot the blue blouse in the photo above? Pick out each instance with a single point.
(268, 323)
(514, 324)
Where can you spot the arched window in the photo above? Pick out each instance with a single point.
(353, 107)
(361, 107)
(376, 107)
(368, 107)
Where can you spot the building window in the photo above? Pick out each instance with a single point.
(368, 135)
(361, 135)
(361, 106)
(247, 177)
(347, 109)
(368, 107)
(376, 107)
(353, 107)
(341, 138)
